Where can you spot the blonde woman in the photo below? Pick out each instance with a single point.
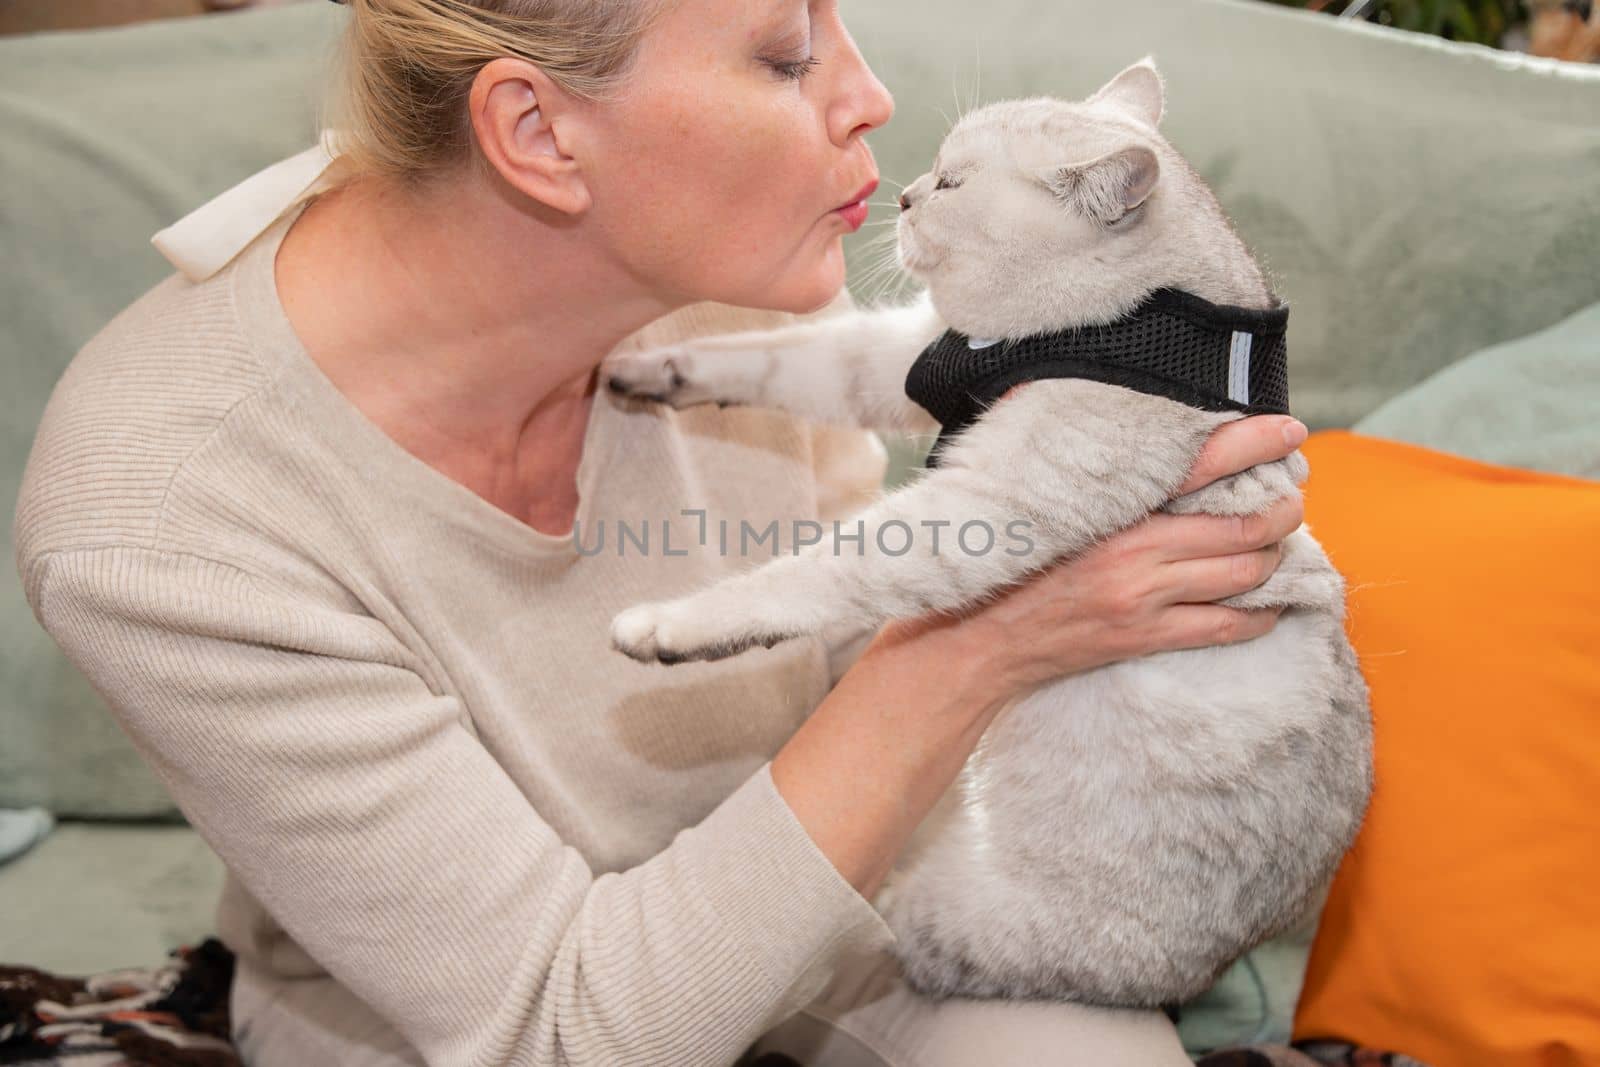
(304, 514)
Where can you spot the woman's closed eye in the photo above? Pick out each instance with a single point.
(793, 69)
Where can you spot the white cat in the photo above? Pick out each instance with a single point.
(1120, 835)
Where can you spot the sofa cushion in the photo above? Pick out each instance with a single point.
(111, 135)
(1533, 402)
(1527, 403)
(1460, 929)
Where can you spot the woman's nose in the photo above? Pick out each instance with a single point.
(863, 103)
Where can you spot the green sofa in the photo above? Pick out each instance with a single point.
(1415, 201)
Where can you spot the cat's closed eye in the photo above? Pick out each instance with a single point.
(946, 183)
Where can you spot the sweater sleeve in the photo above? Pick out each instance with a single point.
(305, 746)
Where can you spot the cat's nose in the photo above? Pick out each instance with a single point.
(905, 204)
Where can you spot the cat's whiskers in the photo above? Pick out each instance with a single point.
(883, 263)
(879, 238)
(884, 241)
(890, 282)
(882, 274)
(977, 78)
(876, 270)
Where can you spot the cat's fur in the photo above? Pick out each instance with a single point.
(1120, 835)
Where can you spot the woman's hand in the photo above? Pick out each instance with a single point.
(1146, 589)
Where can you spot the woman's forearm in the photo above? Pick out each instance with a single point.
(877, 753)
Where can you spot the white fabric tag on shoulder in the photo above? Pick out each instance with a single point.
(209, 237)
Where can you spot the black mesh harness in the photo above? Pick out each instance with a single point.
(1174, 344)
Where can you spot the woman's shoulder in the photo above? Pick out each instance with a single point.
(131, 407)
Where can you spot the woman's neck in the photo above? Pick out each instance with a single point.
(470, 332)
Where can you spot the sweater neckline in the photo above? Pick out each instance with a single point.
(268, 330)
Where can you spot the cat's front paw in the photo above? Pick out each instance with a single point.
(663, 374)
(673, 632)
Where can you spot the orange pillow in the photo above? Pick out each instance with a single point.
(1464, 926)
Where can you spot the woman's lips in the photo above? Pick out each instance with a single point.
(855, 212)
(854, 215)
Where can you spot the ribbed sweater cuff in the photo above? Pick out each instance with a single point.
(776, 892)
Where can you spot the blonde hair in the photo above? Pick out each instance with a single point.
(404, 68)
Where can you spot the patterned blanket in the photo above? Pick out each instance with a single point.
(1308, 1054)
(176, 1015)
(172, 1015)
(1313, 1054)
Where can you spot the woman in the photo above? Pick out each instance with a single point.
(306, 521)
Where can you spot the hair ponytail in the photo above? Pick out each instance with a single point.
(405, 67)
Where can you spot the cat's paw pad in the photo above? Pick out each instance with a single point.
(665, 633)
(663, 374)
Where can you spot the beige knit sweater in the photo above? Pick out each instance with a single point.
(391, 707)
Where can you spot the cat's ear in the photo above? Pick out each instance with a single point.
(1138, 90)
(1105, 189)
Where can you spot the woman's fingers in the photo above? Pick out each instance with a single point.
(1200, 581)
(1203, 625)
(1241, 444)
(1179, 537)
(1150, 587)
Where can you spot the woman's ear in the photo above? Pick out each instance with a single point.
(522, 121)
(1105, 189)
